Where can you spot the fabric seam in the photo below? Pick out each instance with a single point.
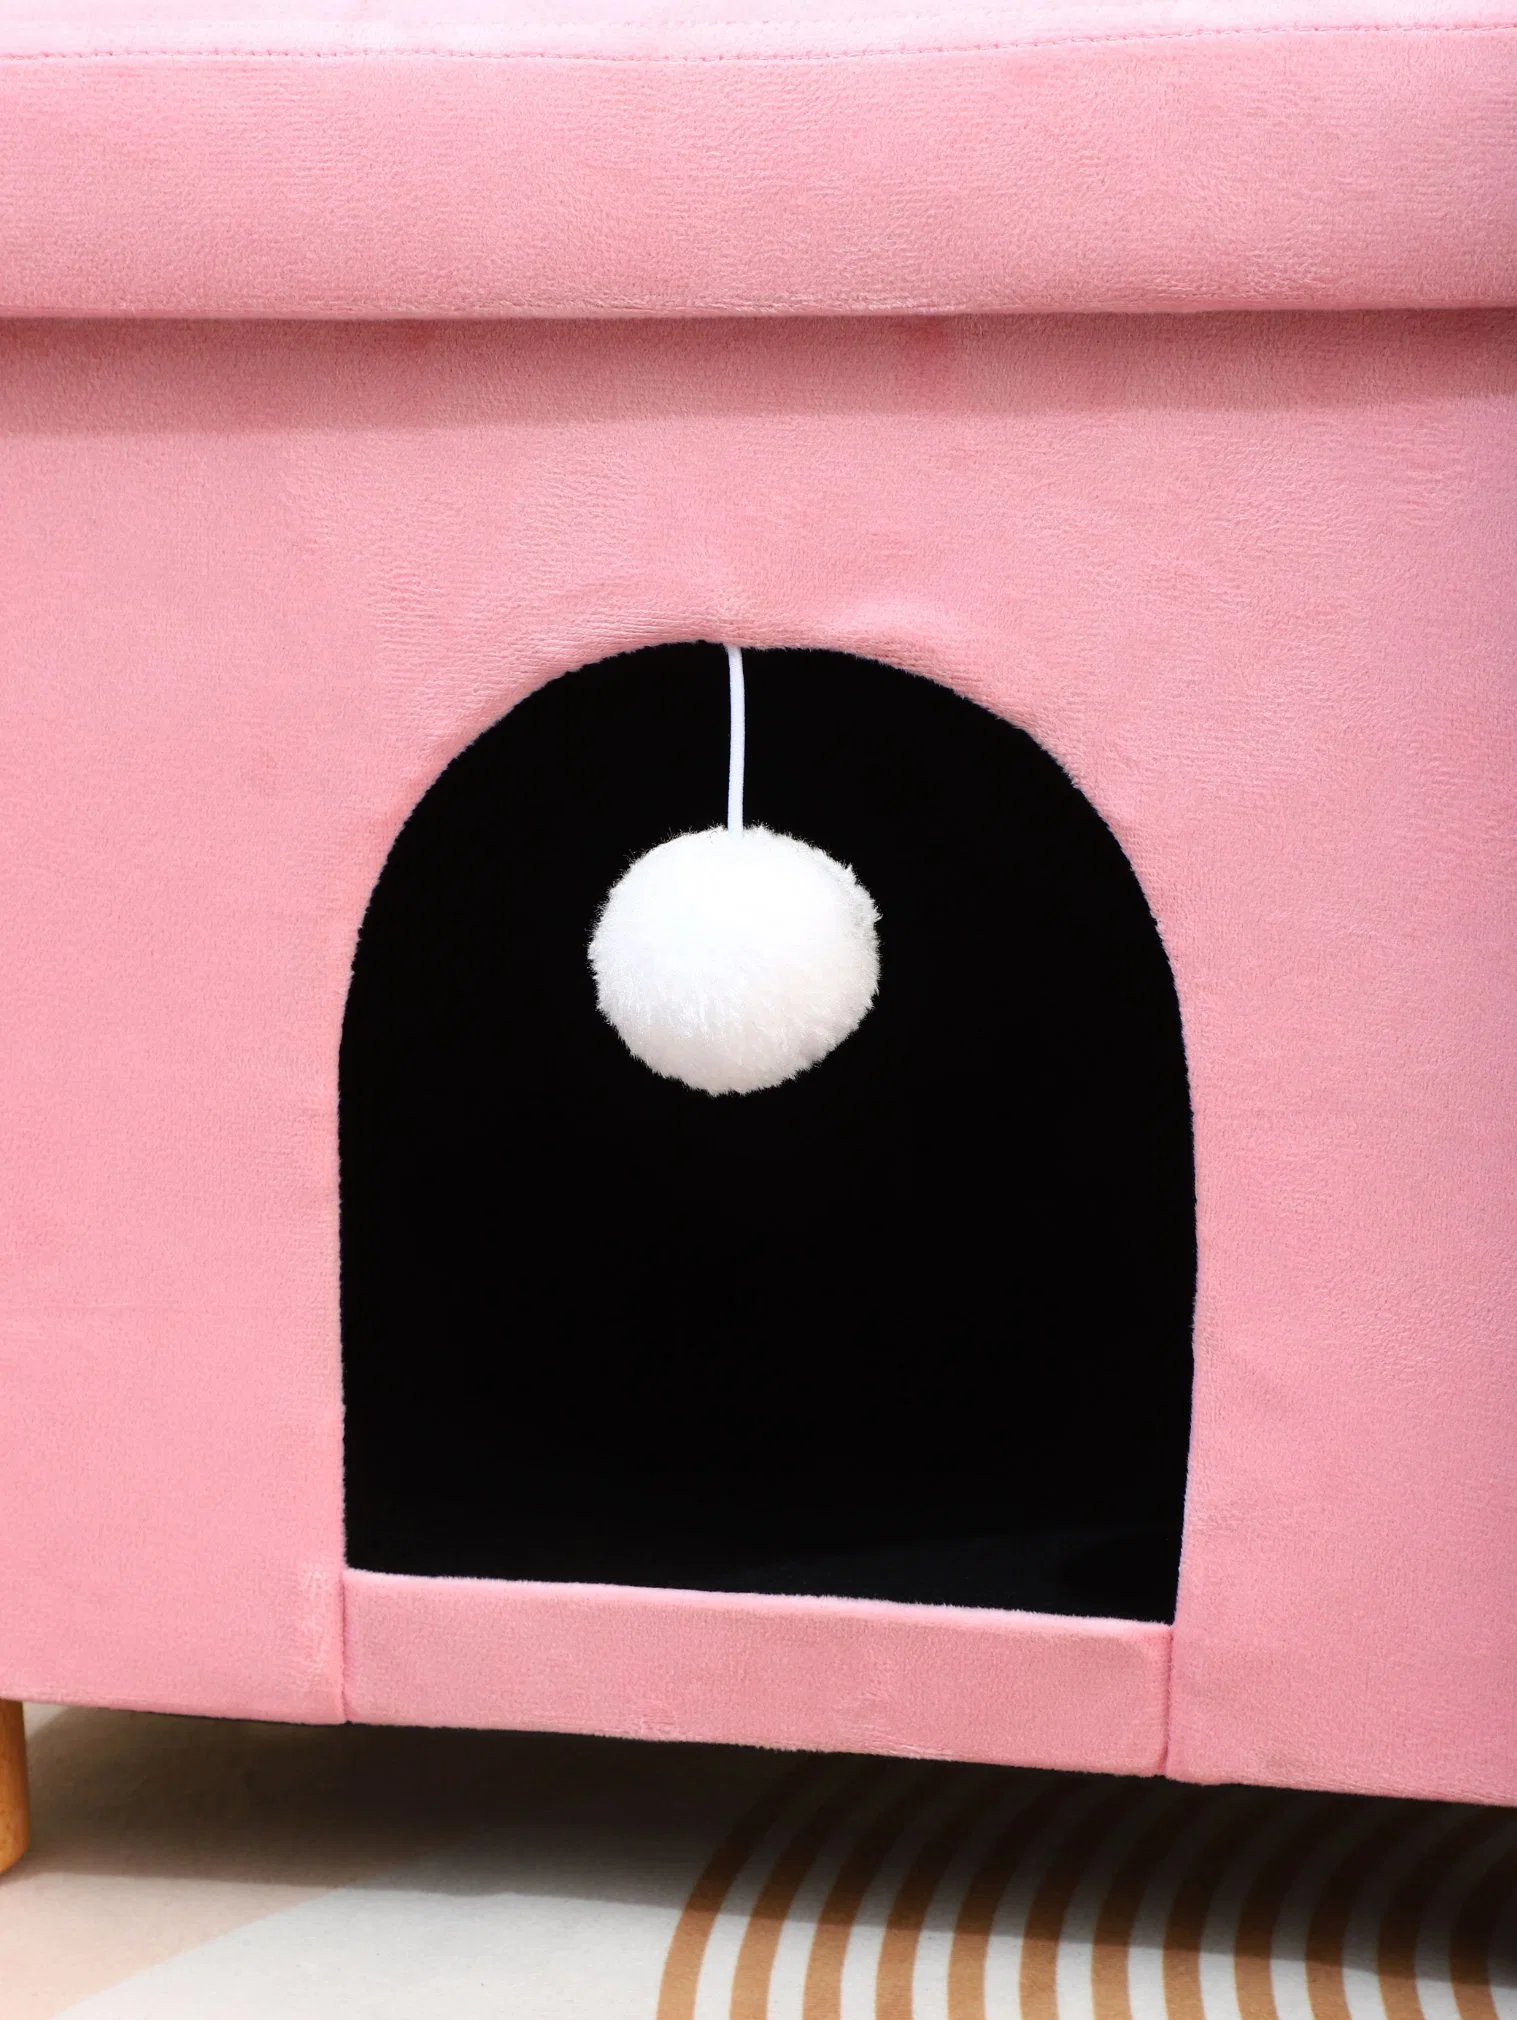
(1265, 32)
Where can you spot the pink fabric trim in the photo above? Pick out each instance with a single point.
(606, 30)
(1242, 158)
(472, 52)
(860, 1675)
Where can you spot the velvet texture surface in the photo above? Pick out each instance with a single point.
(444, 157)
(1247, 579)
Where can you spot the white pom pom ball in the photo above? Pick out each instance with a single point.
(734, 959)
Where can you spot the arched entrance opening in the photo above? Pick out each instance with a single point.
(915, 1325)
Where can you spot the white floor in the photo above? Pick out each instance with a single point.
(187, 1869)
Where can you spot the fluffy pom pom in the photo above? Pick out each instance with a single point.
(735, 960)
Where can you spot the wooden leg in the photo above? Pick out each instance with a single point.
(15, 1810)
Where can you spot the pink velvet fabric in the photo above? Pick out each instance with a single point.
(865, 1676)
(1249, 578)
(590, 157)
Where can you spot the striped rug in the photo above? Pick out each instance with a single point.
(860, 1889)
(241, 1872)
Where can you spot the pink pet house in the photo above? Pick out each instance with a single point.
(1081, 408)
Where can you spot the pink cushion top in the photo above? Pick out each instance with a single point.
(658, 157)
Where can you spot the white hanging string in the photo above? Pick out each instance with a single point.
(738, 740)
